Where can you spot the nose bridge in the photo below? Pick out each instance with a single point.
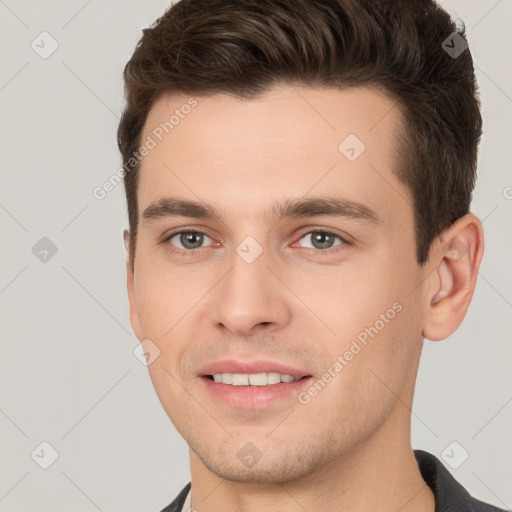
(249, 273)
(250, 294)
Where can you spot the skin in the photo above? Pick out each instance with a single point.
(298, 303)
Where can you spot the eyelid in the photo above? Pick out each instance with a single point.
(344, 237)
(184, 229)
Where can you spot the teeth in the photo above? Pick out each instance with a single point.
(258, 379)
(273, 378)
(240, 379)
(252, 379)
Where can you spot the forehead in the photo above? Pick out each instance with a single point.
(290, 140)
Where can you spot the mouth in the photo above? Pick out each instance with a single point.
(254, 379)
(253, 384)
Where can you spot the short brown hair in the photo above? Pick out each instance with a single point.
(244, 47)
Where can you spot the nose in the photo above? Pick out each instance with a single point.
(251, 297)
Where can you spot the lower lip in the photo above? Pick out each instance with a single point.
(255, 397)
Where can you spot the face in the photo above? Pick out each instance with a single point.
(284, 307)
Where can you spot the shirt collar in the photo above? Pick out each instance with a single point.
(449, 494)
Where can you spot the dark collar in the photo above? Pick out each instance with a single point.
(449, 494)
(178, 503)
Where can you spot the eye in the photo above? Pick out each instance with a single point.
(323, 240)
(189, 240)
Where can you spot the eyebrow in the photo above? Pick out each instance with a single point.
(297, 208)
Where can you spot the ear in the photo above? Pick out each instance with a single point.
(456, 256)
(130, 277)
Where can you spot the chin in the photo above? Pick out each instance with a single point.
(282, 463)
(264, 473)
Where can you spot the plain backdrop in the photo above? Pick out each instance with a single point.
(68, 374)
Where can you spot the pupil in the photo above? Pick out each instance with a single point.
(323, 240)
(188, 238)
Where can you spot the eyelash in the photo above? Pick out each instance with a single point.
(323, 252)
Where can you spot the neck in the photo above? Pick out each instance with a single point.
(380, 473)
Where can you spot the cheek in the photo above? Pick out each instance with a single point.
(393, 345)
(377, 325)
(349, 298)
(375, 373)
(169, 302)
(163, 298)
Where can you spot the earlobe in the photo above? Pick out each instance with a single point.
(458, 253)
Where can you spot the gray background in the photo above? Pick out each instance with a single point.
(68, 375)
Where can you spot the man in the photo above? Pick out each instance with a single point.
(298, 177)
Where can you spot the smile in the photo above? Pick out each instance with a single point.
(252, 379)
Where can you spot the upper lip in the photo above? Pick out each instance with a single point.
(251, 367)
